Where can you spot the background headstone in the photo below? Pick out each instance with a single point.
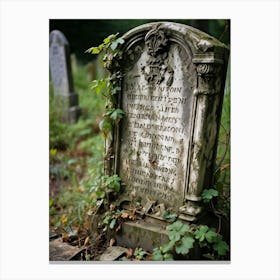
(74, 63)
(61, 74)
(91, 71)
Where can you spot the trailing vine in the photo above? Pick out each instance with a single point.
(109, 87)
(106, 188)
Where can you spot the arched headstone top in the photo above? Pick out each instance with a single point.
(61, 75)
(198, 41)
(57, 37)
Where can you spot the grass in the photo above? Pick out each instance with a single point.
(76, 158)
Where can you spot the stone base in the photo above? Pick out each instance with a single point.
(149, 236)
(141, 234)
(74, 113)
(150, 233)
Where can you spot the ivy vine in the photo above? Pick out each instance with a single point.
(109, 87)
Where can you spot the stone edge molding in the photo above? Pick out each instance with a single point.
(210, 58)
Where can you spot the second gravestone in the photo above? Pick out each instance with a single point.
(61, 74)
(172, 90)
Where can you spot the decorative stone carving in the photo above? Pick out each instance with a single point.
(157, 64)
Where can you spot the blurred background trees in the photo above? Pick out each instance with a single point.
(83, 34)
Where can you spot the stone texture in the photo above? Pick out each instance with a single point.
(59, 251)
(112, 253)
(61, 74)
(142, 234)
(172, 92)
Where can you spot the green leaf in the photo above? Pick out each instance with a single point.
(120, 40)
(211, 235)
(168, 246)
(116, 90)
(168, 257)
(115, 186)
(114, 45)
(139, 253)
(100, 194)
(200, 233)
(105, 126)
(157, 255)
(107, 40)
(185, 245)
(169, 217)
(117, 114)
(221, 247)
(174, 235)
(106, 220)
(176, 230)
(184, 229)
(113, 182)
(112, 224)
(175, 226)
(53, 152)
(94, 50)
(208, 194)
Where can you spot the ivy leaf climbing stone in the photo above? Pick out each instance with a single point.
(185, 245)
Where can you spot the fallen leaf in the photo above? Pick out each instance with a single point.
(129, 252)
(87, 241)
(118, 228)
(132, 217)
(64, 219)
(87, 225)
(81, 189)
(225, 166)
(112, 242)
(124, 215)
(64, 236)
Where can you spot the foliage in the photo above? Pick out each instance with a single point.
(58, 134)
(208, 194)
(139, 253)
(113, 218)
(103, 185)
(170, 217)
(209, 238)
(110, 86)
(75, 160)
(182, 239)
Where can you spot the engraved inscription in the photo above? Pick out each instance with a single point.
(155, 132)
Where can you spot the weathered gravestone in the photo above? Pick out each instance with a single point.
(165, 147)
(61, 74)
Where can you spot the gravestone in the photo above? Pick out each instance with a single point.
(91, 71)
(61, 74)
(165, 147)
